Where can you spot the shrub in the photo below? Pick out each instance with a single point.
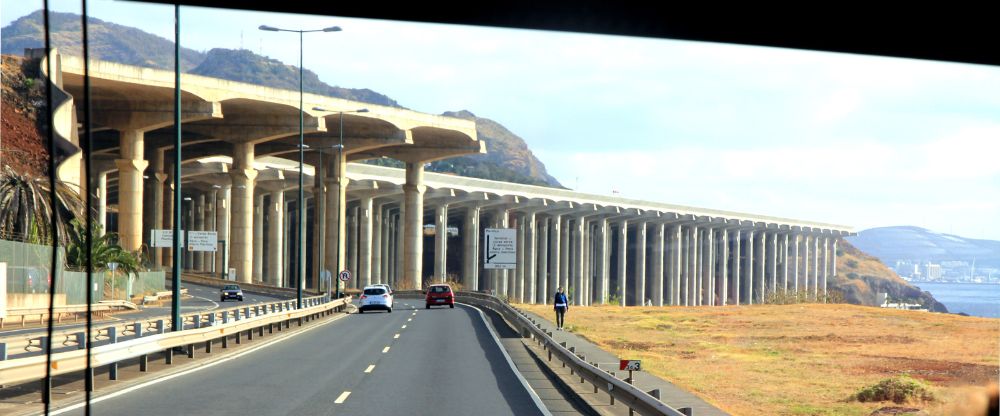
(897, 390)
(852, 264)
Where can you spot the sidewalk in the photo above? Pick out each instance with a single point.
(670, 394)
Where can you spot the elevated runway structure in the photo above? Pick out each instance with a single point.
(237, 181)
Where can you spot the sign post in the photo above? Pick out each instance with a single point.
(343, 276)
(630, 365)
(500, 248)
(112, 266)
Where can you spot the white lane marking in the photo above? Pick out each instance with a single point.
(524, 382)
(408, 320)
(216, 305)
(404, 327)
(370, 368)
(385, 350)
(396, 337)
(343, 396)
(198, 368)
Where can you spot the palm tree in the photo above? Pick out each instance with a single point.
(26, 211)
(105, 249)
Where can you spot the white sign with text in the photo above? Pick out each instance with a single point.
(500, 248)
(164, 238)
(203, 240)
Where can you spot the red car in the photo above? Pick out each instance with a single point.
(440, 295)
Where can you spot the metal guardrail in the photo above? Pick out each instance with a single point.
(636, 399)
(152, 336)
(59, 311)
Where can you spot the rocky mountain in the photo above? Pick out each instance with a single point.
(917, 244)
(508, 158)
(861, 277)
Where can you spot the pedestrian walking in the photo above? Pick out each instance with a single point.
(561, 305)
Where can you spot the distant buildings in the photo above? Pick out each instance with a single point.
(946, 271)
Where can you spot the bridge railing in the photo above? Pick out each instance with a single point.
(150, 336)
(635, 398)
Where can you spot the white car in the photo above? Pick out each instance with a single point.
(375, 297)
(385, 286)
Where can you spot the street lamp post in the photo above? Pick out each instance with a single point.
(340, 159)
(300, 270)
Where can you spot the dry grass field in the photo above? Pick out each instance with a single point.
(804, 359)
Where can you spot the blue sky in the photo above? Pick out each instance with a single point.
(849, 139)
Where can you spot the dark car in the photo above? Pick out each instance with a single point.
(439, 295)
(230, 292)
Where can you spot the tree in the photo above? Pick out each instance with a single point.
(105, 249)
(26, 211)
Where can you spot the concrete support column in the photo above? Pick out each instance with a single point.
(377, 231)
(210, 208)
(674, 264)
(760, 263)
(530, 284)
(413, 224)
(640, 263)
(400, 229)
(199, 225)
(335, 246)
(805, 259)
(816, 267)
(102, 202)
(352, 246)
(622, 258)
(555, 258)
(286, 255)
(366, 218)
(783, 252)
(470, 248)
(658, 233)
(796, 241)
(188, 223)
(694, 283)
(604, 262)
(748, 268)
(221, 211)
(772, 261)
(168, 221)
(259, 210)
(440, 243)
(707, 269)
(826, 265)
(498, 278)
(543, 262)
(564, 250)
(585, 269)
(130, 169)
(516, 283)
(276, 240)
(722, 267)
(392, 244)
(241, 228)
(833, 264)
(735, 288)
(319, 228)
(159, 177)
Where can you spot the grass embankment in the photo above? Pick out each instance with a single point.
(799, 359)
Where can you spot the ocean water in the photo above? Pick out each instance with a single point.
(977, 299)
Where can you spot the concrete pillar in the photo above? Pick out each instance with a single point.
(159, 177)
(286, 254)
(210, 205)
(622, 258)
(693, 281)
(748, 268)
(796, 241)
(168, 221)
(258, 235)
(772, 261)
(130, 168)
(555, 269)
(658, 233)
(377, 225)
(470, 248)
(222, 204)
(585, 269)
(392, 244)
(826, 265)
(440, 244)
(530, 257)
(674, 264)
(352, 246)
(564, 251)
(102, 201)
(783, 252)
(816, 270)
(400, 229)
(542, 249)
(319, 228)
(761, 265)
(413, 224)
(276, 239)
(335, 246)
(722, 267)
(188, 224)
(516, 282)
(241, 227)
(604, 262)
(805, 259)
(707, 269)
(366, 218)
(833, 264)
(640, 263)
(199, 225)
(736, 287)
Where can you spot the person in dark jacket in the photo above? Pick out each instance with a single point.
(561, 305)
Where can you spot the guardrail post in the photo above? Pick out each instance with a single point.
(113, 367)
(160, 326)
(611, 388)
(190, 351)
(3, 351)
(225, 338)
(250, 334)
(211, 319)
(256, 310)
(197, 321)
(246, 312)
(81, 343)
(655, 393)
(686, 411)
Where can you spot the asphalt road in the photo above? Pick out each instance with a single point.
(444, 361)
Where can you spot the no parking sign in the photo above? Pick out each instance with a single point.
(345, 275)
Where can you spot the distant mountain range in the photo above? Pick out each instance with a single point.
(890, 244)
(508, 159)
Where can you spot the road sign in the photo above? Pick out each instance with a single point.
(232, 274)
(112, 266)
(630, 365)
(500, 248)
(164, 238)
(203, 241)
(345, 275)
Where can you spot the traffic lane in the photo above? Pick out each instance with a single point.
(445, 362)
(300, 375)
